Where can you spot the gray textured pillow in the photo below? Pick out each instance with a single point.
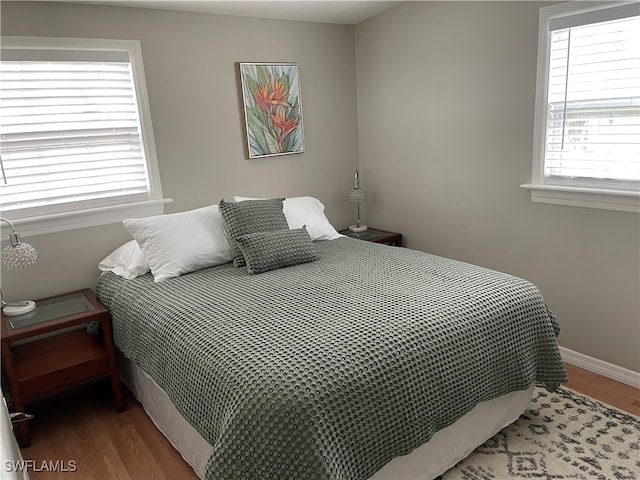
(251, 216)
(264, 251)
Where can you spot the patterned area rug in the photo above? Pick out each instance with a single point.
(563, 435)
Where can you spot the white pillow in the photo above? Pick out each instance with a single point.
(126, 261)
(183, 242)
(309, 211)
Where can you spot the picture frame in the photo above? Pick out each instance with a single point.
(272, 109)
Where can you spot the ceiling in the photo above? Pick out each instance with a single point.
(321, 11)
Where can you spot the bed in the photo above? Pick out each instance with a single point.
(369, 362)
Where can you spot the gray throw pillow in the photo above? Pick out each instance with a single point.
(251, 216)
(264, 251)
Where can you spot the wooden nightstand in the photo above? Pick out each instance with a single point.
(376, 236)
(49, 350)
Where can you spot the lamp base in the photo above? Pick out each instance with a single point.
(19, 308)
(358, 228)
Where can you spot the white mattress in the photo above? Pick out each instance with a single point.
(445, 449)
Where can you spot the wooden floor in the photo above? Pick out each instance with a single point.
(617, 394)
(83, 426)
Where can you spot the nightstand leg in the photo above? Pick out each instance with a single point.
(22, 434)
(117, 392)
(113, 364)
(22, 428)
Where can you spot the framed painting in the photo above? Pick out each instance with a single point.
(272, 108)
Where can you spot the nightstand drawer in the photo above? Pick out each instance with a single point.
(49, 382)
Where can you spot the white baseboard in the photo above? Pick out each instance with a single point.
(601, 367)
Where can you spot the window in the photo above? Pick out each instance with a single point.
(76, 141)
(587, 123)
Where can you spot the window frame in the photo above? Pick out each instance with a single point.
(94, 216)
(578, 195)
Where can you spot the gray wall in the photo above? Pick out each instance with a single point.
(189, 62)
(445, 108)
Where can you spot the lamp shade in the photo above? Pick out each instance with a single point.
(357, 195)
(21, 256)
(18, 254)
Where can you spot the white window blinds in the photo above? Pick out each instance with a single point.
(593, 100)
(70, 131)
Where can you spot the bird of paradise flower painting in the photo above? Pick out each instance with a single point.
(273, 114)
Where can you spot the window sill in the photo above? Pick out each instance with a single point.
(61, 222)
(620, 201)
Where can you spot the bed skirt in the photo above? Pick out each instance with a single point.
(446, 448)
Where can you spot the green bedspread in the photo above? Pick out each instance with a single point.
(328, 370)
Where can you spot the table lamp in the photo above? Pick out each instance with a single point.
(18, 254)
(357, 195)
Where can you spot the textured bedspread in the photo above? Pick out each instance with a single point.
(328, 370)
